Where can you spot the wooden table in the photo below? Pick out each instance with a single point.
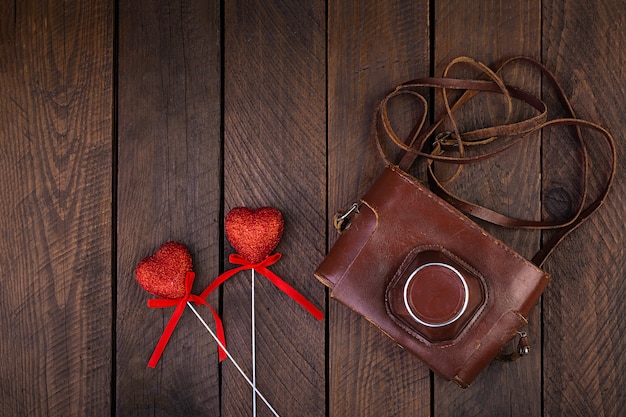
(126, 124)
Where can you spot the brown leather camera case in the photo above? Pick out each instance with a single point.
(420, 270)
(485, 289)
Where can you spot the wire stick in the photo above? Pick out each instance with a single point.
(253, 351)
(232, 359)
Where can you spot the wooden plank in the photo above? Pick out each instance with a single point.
(584, 366)
(274, 155)
(489, 30)
(55, 253)
(372, 46)
(168, 188)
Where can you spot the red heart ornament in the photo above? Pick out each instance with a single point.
(163, 274)
(254, 233)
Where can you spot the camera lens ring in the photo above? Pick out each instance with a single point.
(457, 274)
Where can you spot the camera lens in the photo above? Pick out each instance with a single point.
(436, 294)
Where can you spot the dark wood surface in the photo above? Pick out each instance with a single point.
(125, 124)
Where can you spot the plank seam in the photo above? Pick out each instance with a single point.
(114, 188)
(542, 235)
(222, 208)
(327, 393)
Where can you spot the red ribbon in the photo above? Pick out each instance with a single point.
(261, 268)
(180, 304)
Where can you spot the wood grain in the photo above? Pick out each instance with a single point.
(583, 353)
(487, 31)
(125, 124)
(55, 218)
(169, 187)
(275, 155)
(372, 46)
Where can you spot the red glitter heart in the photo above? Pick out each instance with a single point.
(163, 274)
(254, 233)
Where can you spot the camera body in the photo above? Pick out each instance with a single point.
(430, 278)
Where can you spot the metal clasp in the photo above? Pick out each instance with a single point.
(523, 349)
(341, 219)
(442, 137)
(440, 140)
(523, 345)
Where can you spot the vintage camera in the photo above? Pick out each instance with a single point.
(419, 269)
(430, 278)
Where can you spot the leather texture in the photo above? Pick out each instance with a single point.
(398, 215)
(434, 293)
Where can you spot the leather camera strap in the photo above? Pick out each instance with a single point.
(509, 134)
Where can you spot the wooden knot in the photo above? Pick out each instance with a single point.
(558, 203)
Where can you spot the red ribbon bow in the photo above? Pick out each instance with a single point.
(180, 304)
(261, 268)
